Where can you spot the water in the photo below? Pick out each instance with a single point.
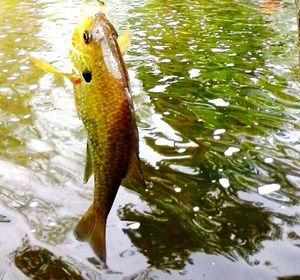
(216, 91)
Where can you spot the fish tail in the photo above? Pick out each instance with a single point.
(91, 227)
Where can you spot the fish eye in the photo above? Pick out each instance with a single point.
(87, 37)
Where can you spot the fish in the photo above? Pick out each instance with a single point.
(103, 102)
(104, 105)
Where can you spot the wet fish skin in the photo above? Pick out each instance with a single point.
(103, 102)
(104, 105)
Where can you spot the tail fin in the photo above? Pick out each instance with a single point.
(91, 228)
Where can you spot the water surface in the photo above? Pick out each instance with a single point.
(216, 92)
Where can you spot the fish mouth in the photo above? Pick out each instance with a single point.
(87, 75)
(80, 66)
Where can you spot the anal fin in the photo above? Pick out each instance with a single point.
(88, 165)
(134, 172)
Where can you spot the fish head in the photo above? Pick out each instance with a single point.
(95, 49)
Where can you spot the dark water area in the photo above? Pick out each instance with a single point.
(216, 89)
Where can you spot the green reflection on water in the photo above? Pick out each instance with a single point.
(208, 68)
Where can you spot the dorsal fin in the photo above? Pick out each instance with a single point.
(124, 41)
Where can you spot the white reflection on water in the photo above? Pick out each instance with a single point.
(269, 188)
(219, 102)
(224, 182)
(159, 88)
(231, 150)
(194, 73)
(219, 131)
(268, 160)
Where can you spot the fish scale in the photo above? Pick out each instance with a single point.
(105, 109)
(102, 98)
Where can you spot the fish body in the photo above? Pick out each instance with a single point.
(104, 105)
(102, 98)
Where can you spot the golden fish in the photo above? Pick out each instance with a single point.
(102, 97)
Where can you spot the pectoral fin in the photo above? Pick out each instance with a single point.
(124, 41)
(47, 67)
(88, 166)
